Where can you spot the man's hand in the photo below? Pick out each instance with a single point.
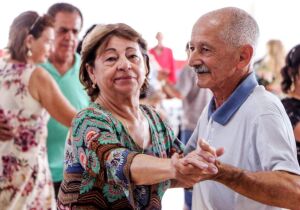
(186, 175)
(205, 152)
(202, 145)
(198, 165)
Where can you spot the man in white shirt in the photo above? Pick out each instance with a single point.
(259, 168)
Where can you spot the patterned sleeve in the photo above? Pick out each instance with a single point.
(100, 152)
(176, 144)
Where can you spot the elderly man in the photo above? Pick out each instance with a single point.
(259, 169)
(63, 65)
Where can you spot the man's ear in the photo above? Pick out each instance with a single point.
(91, 72)
(246, 53)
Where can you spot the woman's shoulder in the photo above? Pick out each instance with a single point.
(12, 69)
(154, 115)
(94, 111)
(92, 114)
(150, 110)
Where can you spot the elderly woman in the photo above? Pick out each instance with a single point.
(28, 95)
(119, 152)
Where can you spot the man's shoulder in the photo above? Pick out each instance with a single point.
(262, 95)
(262, 101)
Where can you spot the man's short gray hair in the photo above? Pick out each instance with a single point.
(241, 27)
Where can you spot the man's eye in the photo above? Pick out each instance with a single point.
(65, 30)
(75, 31)
(62, 31)
(191, 48)
(205, 49)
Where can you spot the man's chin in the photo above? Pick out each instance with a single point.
(202, 83)
(67, 53)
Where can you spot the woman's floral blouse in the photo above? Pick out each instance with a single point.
(98, 158)
(25, 179)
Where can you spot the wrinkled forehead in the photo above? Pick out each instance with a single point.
(70, 20)
(212, 25)
(204, 28)
(117, 43)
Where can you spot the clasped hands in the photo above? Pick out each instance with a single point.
(197, 165)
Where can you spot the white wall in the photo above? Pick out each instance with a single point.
(277, 19)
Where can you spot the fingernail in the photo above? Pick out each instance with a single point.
(203, 165)
(214, 170)
(211, 159)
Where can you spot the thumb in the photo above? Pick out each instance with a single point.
(175, 157)
(220, 151)
(203, 145)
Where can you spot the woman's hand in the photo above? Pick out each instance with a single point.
(196, 166)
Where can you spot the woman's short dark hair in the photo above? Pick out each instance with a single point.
(291, 69)
(26, 23)
(98, 39)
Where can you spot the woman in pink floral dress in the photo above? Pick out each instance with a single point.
(27, 94)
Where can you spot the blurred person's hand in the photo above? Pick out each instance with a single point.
(163, 74)
(5, 130)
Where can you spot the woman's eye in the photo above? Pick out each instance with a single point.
(111, 59)
(134, 57)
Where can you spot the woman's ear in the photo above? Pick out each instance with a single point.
(28, 41)
(91, 71)
(147, 64)
(246, 53)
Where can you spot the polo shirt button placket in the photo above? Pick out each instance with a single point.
(209, 131)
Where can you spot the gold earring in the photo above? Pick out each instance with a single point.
(94, 86)
(29, 53)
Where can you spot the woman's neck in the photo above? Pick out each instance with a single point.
(126, 108)
(130, 115)
(14, 61)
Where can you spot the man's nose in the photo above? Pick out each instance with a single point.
(70, 35)
(191, 59)
(194, 59)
